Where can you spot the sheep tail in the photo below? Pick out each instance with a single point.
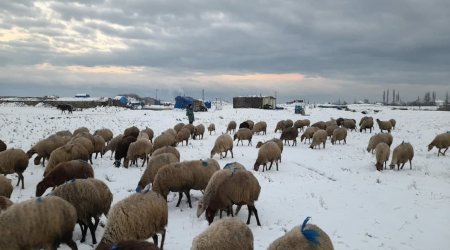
(310, 235)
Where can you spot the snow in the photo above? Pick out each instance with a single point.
(338, 186)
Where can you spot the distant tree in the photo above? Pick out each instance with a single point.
(393, 96)
(384, 96)
(366, 101)
(446, 99)
(398, 96)
(427, 98)
(433, 97)
(387, 96)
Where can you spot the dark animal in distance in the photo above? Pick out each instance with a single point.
(63, 107)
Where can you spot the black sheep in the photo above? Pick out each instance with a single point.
(122, 149)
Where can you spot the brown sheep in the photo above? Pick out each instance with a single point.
(80, 130)
(131, 131)
(289, 134)
(382, 152)
(14, 161)
(223, 143)
(260, 127)
(300, 124)
(105, 133)
(319, 137)
(211, 128)
(199, 130)
(191, 129)
(268, 152)
(6, 187)
(441, 141)
(349, 124)
(320, 125)
(167, 149)
(178, 126)
(393, 122)
(280, 126)
(99, 146)
(401, 154)
(149, 132)
(251, 124)
(339, 134)
(330, 130)
(5, 203)
(384, 125)
(366, 123)
(165, 139)
(141, 148)
(183, 135)
(231, 127)
(374, 140)
(243, 134)
(308, 134)
(154, 164)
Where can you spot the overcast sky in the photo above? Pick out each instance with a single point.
(315, 50)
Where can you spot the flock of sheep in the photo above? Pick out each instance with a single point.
(77, 197)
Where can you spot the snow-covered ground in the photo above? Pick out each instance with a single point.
(338, 186)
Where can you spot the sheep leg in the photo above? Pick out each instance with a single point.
(410, 164)
(231, 150)
(276, 162)
(256, 215)
(83, 228)
(20, 179)
(237, 209)
(155, 239)
(445, 151)
(250, 211)
(90, 158)
(163, 237)
(271, 163)
(92, 228)
(180, 195)
(402, 165)
(188, 197)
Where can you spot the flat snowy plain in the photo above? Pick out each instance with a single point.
(339, 187)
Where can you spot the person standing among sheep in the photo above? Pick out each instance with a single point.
(190, 113)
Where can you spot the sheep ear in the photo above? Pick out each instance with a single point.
(200, 209)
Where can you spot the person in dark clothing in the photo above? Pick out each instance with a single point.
(190, 113)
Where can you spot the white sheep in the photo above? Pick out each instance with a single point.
(402, 154)
(382, 152)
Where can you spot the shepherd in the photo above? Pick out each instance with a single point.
(190, 113)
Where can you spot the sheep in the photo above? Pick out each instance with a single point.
(5, 203)
(288, 134)
(374, 140)
(223, 143)
(91, 198)
(167, 149)
(143, 135)
(134, 245)
(441, 141)
(260, 127)
(122, 149)
(320, 125)
(280, 126)
(319, 137)
(6, 187)
(330, 130)
(366, 123)
(401, 154)
(226, 188)
(141, 148)
(191, 129)
(149, 132)
(244, 125)
(2, 146)
(331, 122)
(183, 135)
(268, 152)
(382, 151)
(131, 131)
(14, 161)
(211, 128)
(231, 127)
(80, 130)
(45, 147)
(199, 130)
(112, 145)
(349, 124)
(276, 140)
(170, 131)
(229, 233)
(339, 134)
(68, 152)
(183, 176)
(38, 223)
(178, 126)
(137, 217)
(99, 146)
(154, 164)
(86, 143)
(165, 139)
(251, 124)
(105, 133)
(384, 125)
(393, 122)
(306, 237)
(64, 133)
(308, 134)
(65, 171)
(299, 124)
(288, 123)
(243, 134)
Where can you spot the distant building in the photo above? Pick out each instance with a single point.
(82, 95)
(257, 102)
(120, 100)
(181, 102)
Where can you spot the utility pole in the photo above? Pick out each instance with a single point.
(203, 94)
(156, 96)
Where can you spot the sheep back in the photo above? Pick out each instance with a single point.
(308, 133)
(6, 187)
(167, 149)
(80, 130)
(68, 152)
(402, 154)
(105, 133)
(155, 163)
(268, 152)
(375, 139)
(165, 139)
(222, 144)
(339, 134)
(319, 137)
(131, 131)
(178, 126)
(260, 127)
(5, 203)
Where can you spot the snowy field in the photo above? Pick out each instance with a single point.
(338, 186)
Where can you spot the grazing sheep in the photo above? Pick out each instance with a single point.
(349, 124)
(320, 125)
(143, 135)
(401, 154)
(234, 165)
(137, 217)
(191, 129)
(441, 141)
(289, 134)
(86, 143)
(227, 188)
(280, 126)
(149, 132)
(183, 135)
(91, 198)
(165, 139)
(331, 122)
(171, 131)
(45, 147)
(268, 152)
(80, 130)
(300, 124)
(228, 233)
(178, 126)
(382, 152)
(319, 137)
(133, 245)
(65, 171)
(393, 122)
(330, 129)
(38, 223)
(131, 131)
(141, 148)
(211, 128)
(183, 176)
(374, 140)
(5, 203)
(260, 127)
(308, 134)
(276, 140)
(306, 237)
(2, 146)
(167, 149)
(244, 125)
(14, 161)
(64, 133)
(199, 130)
(154, 164)
(384, 125)
(231, 127)
(112, 145)
(251, 124)
(243, 134)
(68, 152)
(288, 123)
(6, 187)
(222, 144)
(366, 123)
(122, 149)
(99, 146)
(105, 133)
(339, 134)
